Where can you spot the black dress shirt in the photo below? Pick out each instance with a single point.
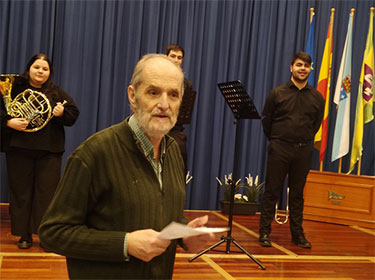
(292, 115)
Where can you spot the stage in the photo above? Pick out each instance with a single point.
(338, 252)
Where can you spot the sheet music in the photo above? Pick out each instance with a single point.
(176, 230)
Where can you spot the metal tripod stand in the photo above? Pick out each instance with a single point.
(229, 239)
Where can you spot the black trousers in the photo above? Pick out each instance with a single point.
(294, 160)
(33, 177)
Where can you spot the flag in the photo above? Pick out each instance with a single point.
(310, 45)
(365, 96)
(320, 140)
(342, 98)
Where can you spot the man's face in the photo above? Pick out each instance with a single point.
(300, 70)
(176, 56)
(158, 97)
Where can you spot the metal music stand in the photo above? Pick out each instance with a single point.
(186, 108)
(243, 108)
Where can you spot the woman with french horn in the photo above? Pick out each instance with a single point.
(34, 112)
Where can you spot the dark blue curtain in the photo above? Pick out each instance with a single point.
(94, 46)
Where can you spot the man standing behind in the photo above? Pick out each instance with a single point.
(291, 116)
(123, 185)
(177, 53)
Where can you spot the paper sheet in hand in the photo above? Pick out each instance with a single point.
(175, 230)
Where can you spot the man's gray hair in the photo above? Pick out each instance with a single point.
(136, 79)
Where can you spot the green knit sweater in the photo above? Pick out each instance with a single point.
(109, 188)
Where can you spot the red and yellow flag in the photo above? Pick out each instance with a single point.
(320, 140)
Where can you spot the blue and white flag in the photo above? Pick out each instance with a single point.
(342, 98)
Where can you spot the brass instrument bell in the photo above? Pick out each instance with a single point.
(32, 105)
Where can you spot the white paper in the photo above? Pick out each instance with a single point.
(175, 230)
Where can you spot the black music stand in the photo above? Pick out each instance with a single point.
(243, 108)
(186, 108)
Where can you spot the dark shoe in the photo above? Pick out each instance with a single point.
(25, 242)
(301, 241)
(264, 240)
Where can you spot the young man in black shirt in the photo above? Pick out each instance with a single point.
(291, 116)
(176, 53)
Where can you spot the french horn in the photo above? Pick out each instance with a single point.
(32, 105)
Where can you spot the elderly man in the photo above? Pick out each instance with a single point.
(123, 185)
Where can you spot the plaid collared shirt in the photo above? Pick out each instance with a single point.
(148, 149)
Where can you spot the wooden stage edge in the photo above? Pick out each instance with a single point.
(340, 198)
(338, 252)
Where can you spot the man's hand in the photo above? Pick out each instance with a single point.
(195, 243)
(145, 245)
(19, 124)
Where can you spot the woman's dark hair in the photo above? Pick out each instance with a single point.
(49, 82)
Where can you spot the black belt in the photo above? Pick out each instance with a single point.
(303, 144)
(297, 144)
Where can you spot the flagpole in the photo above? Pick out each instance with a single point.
(359, 166)
(364, 107)
(340, 152)
(360, 158)
(309, 48)
(329, 69)
(340, 162)
(320, 139)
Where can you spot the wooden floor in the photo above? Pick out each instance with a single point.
(338, 252)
